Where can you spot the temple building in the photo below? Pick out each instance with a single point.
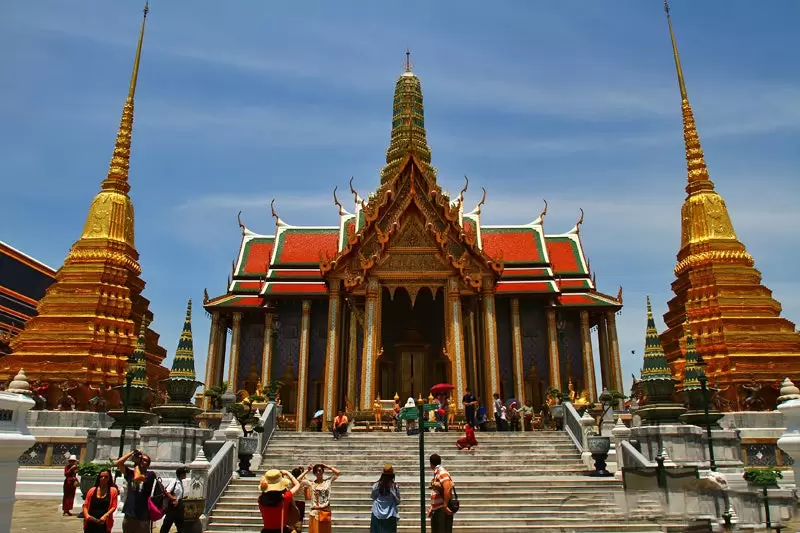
(89, 318)
(409, 289)
(734, 319)
(23, 281)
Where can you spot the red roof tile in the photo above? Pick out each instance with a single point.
(574, 284)
(302, 246)
(584, 300)
(564, 255)
(256, 256)
(295, 289)
(525, 287)
(524, 273)
(514, 245)
(246, 286)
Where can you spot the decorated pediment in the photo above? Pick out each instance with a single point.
(411, 226)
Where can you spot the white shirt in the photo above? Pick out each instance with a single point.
(176, 489)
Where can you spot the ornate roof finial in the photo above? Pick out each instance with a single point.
(477, 209)
(337, 203)
(239, 220)
(278, 221)
(577, 228)
(619, 294)
(461, 193)
(541, 216)
(356, 197)
(408, 64)
(205, 296)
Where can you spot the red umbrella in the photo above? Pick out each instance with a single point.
(442, 387)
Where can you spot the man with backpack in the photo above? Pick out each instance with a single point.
(174, 511)
(444, 500)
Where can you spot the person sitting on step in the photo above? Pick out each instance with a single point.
(468, 441)
(339, 425)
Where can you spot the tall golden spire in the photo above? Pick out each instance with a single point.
(408, 125)
(111, 214)
(90, 317)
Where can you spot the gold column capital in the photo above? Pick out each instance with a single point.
(237, 319)
(306, 306)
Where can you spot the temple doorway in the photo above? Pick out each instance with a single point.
(412, 332)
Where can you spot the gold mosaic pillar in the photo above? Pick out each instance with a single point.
(456, 348)
(552, 351)
(588, 356)
(490, 340)
(266, 363)
(615, 369)
(371, 339)
(352, 358)
(210, 378)
(516, 343)
(302, 366)
(233, 364)
(222, 343)
(602, 344)
(331, 376)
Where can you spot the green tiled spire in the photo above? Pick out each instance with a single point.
(692, 372)
(655, 362)
(139, 365)
(183, 364)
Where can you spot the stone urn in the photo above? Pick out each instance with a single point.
(193, 508)
(87, 482)
(557, 411)
(247, 447)
(599, 446)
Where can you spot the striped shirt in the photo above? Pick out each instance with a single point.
(437, 497)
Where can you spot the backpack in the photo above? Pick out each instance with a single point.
(454, 505)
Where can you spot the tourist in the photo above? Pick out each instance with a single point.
(141, 483)
(396, 415)
(174, 511)
(470, 403)
(70, 484)
(498, 405)
(320, 518)
(276, 502)
(514, 417)
(305, 486)
(481, 416)
(339, 425)
(468, 441)
(100, 504)
(441, 491)
(385, 499)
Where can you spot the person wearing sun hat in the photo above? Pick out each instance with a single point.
(385, 500)
(70, 484)
(276, 502)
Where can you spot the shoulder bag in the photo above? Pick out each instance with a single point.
(155, 503)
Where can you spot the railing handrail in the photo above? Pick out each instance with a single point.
(627, 453)
(222, 465)
(572, 425)
(269, 421)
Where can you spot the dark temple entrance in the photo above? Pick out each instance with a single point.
(413, 336)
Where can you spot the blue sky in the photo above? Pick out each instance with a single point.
(240, 102)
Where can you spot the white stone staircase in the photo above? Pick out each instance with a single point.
(512, 482)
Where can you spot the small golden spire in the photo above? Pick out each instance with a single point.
(697, 172)
(408, 64)
(117, 178)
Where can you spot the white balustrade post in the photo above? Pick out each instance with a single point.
(14, 440)
(198, 482)
(789, 405)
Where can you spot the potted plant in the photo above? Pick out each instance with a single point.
(215, 393)
(88, 472)
(272, 389)
(763, 477)
(245, 415)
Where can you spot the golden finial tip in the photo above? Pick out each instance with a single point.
(408, 60)
(146, 7)
(666, 6)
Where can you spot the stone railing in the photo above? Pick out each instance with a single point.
(269, 421)
(220, 473)
(573, 426)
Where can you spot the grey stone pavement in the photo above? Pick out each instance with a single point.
(45, 515)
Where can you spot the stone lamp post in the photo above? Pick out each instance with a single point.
(789, 405)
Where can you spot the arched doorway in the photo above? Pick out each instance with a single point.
(412, 332)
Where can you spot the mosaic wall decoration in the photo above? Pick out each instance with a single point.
(787, 459)
(571, 348)
(505, 348)
(533, 324)
(761, 454)
(61, 453)
(287, 339)
(33, 456)
(318, 339)
(251, 347)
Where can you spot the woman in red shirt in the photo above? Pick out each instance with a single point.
(468, 441)
(276, 500)
(70, 484)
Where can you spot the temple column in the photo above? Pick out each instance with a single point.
(457, 359)
(302, 366)
(552, 350)
(490, 342)
(213, 354)
(219, 360)
(516, 343)
(473, 352)
(266, 364)
(233, 364)
(352, 358)
(615, 368)
(588, 356)
(602, 344)
(331, 351)
(372, 313)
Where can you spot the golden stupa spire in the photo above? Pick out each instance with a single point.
(699, 179)
(111, 214)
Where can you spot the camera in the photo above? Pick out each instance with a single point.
(137, 455)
